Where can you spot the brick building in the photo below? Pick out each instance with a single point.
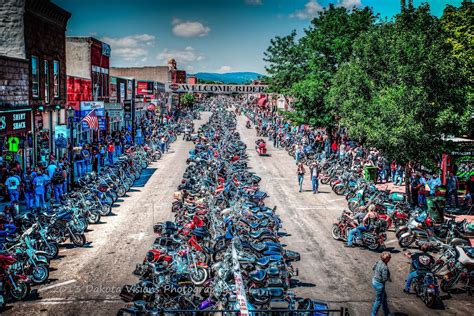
(88, 82)
(149, 73)
(32, 76)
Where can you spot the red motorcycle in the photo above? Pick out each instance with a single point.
(13, 281)
(340, 230)
(261, 147)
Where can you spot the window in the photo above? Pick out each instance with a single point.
(46, 81)
(35, 76)
(56, 78)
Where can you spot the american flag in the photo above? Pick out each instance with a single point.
(92, 120)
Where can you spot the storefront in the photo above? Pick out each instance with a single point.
(16, 142)
(114, 117)
(82, 132)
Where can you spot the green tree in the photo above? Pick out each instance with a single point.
(400, 90)
(188, 99)
(304, 69)
(284, 59)
(458, 24)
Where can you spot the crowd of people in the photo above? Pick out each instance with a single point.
(40, 185)
(306, 139)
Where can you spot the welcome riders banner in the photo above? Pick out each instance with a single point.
(214, 88)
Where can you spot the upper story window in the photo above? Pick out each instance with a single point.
(34, 77)
(46, 81)
(56, 78)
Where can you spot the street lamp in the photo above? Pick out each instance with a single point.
(70, 118)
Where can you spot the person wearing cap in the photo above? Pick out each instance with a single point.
(367, 223)
(381, 274)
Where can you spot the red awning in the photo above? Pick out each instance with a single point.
(262, 101)
(151, 107)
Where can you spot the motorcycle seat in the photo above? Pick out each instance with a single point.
(264, 261)
(258, 275)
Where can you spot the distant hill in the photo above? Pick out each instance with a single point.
(230, 77)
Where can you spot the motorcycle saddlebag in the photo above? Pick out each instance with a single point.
(128, 293)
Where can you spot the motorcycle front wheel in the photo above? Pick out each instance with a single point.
(199, 275)
(405, 242)
(336, 234)
(78, 240)
(40, 274)
(21, 291)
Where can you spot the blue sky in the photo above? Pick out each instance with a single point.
(203, 35)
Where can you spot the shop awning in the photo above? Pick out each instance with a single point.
(262, 101)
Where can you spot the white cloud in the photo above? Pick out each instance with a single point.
(311, 10)
(131, 47)
(130, 54)
(188, 55)
(224, 69)
(189, 28)
(129, 41)
(254, 2)
(349, 4)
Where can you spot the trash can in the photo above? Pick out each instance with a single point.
(370, 173)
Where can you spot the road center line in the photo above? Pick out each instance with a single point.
(56, 285)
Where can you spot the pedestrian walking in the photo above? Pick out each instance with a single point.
(110, 153)
(40, 183)
(87, 157)
(381, 274)
(452, 189)
(57, 181)
(13, 186)
(79, 162)
(28, 178)
(315, 177)
(301, 171)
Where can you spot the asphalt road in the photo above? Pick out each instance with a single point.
(88, 281)
(328, 271)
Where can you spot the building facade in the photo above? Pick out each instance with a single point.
(33, 78)
(88, 62)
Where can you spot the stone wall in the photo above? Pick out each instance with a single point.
(12, 42)
(14, 76)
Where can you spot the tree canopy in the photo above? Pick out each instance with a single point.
(401, 85)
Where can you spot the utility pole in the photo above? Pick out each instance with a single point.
(134, 124)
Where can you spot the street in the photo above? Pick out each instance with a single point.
(88, 281)
(328, 271)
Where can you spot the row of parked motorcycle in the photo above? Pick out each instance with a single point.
(413, 226)
(28, 246)
(224, 246)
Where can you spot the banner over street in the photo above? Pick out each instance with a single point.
(215, 88)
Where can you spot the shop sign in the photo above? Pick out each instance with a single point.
(106, 49)
(127, 109)
(115, 113)
(91, 105)
(15, 121)
(215, 88)
(144, 87)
